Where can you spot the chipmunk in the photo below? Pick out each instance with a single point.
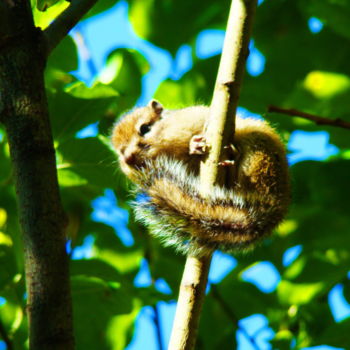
(160, 150)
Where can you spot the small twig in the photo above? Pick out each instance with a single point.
(230, 314)
(340, 123)
(5, 337)
(58, 29)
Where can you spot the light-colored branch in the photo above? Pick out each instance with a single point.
(60, 27)
(189, 305)
(219, 132)
(221, 123)
(340, 123)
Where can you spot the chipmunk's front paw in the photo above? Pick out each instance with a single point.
(198, 145)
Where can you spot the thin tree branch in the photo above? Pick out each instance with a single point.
(219, 132)
(189, 305)
(58, 29)
(4, 336)
(221, 123)
(340, 123)
(230, 314)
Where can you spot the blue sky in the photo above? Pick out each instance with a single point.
(302, 146)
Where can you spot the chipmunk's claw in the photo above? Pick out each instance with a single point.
(232, 153)
(198, 145)
(226, 163)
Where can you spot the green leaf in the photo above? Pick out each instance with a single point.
(90, 159)
(5, 173)
(334, 14)
(98, 90)
(13, 317)
(109, 248)
(94, 268)
(321, 205)
(45, 11)
(70, 114)
(282, 340)
(122, 72)
(195, 87)
(224, 328)
(242, 298)
(62, 60)
(298, 293)
(64, 57)
(167, 264)
(100, 6)
(151, 296)
(347, 290)
(106, 301)
(121, 328)
(12, 245)
(336, 334)
(43, 5)
(68, 178)
(8, 265)
(170, 24)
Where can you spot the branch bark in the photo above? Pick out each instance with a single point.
(24, 114)
(60, 27)
(189, 304)
(340, 123)
(221, 123)
(219, 132)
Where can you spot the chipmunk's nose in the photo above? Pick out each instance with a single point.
(130, 159)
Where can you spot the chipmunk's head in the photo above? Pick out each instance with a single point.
(132, 137)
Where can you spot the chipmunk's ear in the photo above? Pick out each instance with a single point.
(156, 106)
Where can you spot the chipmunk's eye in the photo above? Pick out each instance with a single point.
(144, 129)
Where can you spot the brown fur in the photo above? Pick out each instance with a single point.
(254, 202)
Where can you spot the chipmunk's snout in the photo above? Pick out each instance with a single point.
(129, 159)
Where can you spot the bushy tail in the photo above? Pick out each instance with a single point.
(228, 220)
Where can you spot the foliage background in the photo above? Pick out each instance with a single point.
(304, 69)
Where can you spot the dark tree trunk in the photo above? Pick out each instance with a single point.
(24, 113)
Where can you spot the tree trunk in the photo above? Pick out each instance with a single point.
(24, 113)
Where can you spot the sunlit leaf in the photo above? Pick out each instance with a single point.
(326, 84)
(90, 159)
(47, 10)
(121, 328)
(123, 71)
(98, 90)
(195, 87)
(292, 293)
(158, 21)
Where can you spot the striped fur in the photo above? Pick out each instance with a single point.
(230, 220)
(234, 218)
